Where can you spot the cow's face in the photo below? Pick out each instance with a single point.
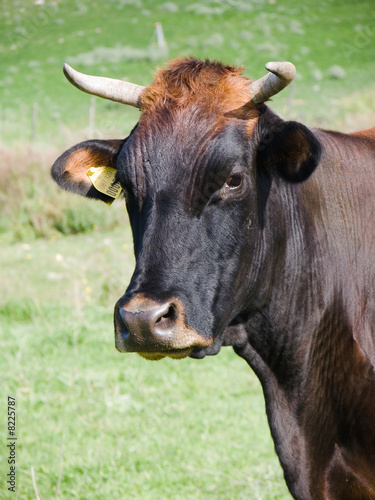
(197, 173)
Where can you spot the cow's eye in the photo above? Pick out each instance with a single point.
(234, 181)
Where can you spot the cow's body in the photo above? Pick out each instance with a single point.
(256, 233)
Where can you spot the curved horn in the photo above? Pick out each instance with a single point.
(281, 74)
(108, 88)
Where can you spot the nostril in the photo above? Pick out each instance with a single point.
(124, 326)
(166, 321)
(171, 314)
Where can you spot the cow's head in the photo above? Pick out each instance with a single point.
(197, 172)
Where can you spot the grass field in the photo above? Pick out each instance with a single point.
(94, 423)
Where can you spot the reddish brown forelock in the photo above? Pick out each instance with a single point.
(187, 82)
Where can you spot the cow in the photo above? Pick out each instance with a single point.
(252, 232)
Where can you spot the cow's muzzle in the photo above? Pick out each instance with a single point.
(155, 329)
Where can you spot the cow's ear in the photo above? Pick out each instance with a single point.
(70, 169)
(291, 150)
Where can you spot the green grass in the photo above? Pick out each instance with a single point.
(115, 425)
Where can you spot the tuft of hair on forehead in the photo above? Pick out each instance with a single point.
(186, 82)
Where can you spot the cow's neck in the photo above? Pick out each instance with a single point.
(320, 406)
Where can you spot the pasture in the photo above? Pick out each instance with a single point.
(93, 423)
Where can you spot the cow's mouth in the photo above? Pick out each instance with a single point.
(176, 354)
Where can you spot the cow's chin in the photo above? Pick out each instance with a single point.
(175, 354)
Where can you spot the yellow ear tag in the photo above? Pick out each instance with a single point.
(103, 179)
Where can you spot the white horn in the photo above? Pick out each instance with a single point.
(281, 74)
(108, 88)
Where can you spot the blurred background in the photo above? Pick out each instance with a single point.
(93, 423)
